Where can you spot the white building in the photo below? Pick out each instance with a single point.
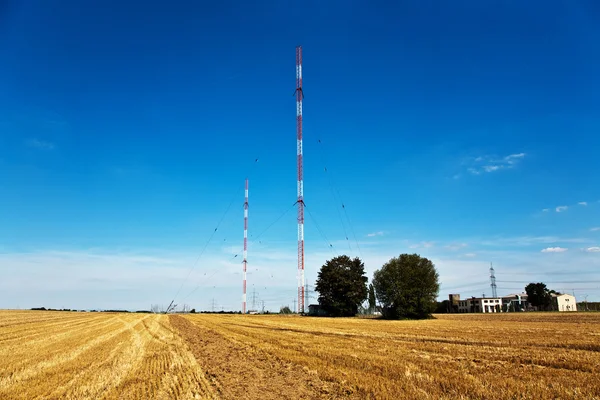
(564, 302)
(480, 305)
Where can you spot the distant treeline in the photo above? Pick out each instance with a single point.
(218, 312)
(73, 310)
(588, 306)
(192, 311)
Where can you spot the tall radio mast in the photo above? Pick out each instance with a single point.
(299, 97)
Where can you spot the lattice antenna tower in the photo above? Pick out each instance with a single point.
(299, 96)
(245, 262)
(493, 281)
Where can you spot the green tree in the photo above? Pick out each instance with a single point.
(371, 298)
(407, 287)
(342, 286)
(538, 295)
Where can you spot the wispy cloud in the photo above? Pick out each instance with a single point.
(486, 163)
(374, 234)
(594, 249)
(565, 208)
(455, 247)
(491, 168)
(105, 278)
(513, 158)
(595, 229)
(519, 241)
(40, 144)
(424, 245)
(554, 250)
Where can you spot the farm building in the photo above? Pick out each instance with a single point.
(515, 302)
(480, 305)
(564, 302)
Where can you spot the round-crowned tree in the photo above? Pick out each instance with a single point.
(407, 287)
(342, 286)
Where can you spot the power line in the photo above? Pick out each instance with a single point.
(467, 285)
(215, 270)
(209, 240)
(544, 273)
(321, 232)
(269, 227)
(334, 190)
(553, 282)
(335, 200)
(201, 253)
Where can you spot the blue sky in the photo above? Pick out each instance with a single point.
(458, 131)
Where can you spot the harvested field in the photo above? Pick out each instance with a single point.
(501, 356)
(66, 355)
(145, 356)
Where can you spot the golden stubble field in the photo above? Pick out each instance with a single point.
(142, 356)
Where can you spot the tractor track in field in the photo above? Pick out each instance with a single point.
(238, 371)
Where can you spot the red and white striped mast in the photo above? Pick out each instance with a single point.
(245, 262)
(299, 96)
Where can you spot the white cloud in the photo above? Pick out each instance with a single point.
(85, 279)
(373, 234)
(529, 241)
(513, 158)
(583, 203)
(545, 210)
(554, 250)
(595, 229)
(135, 279)
(491, 168)
(455, 247)
(40, 144)
(470, 277)
(594, 249)
(488, 163)
(424, 245)
(562, 208)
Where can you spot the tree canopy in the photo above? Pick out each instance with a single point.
(407, 287)
(538, 295)
(342, 286)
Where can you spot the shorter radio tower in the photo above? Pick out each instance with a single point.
(245, 262)
(493, 280)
